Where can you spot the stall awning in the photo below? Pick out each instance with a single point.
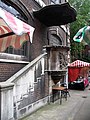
(13, 31)
(57, 14)
(79, 63)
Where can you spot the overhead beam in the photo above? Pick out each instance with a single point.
(7, 34)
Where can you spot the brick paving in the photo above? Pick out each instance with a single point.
(77, 107)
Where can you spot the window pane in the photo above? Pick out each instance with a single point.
(22, 51)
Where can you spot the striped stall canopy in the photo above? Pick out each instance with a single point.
(79, 63)
(14, 40)
(13, 31)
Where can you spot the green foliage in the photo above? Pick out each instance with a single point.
(83, 15)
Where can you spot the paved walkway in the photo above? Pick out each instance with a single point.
(77, 107)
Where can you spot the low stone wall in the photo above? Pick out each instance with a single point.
(6, 95)
(30, 91)
(31, 108)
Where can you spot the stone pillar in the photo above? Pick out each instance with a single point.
(6, 101)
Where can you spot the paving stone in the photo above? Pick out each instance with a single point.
(77, 107)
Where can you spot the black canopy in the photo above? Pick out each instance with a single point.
(56, 14)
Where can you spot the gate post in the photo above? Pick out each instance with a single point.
(6, 101)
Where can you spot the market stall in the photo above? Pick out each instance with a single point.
(78, 74)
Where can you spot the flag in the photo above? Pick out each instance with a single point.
(80, 34)
(8, 24)
(83, 35)
(16, 25)
(86, 37)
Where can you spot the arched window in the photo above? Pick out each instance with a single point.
(55, 40)
(13, 9)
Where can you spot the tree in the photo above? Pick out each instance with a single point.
(83, 15)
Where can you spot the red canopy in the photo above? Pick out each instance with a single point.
(75, 69)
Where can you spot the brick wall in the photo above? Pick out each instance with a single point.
(40, 33)
(9, 69)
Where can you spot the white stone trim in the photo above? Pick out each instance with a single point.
(12, 61)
